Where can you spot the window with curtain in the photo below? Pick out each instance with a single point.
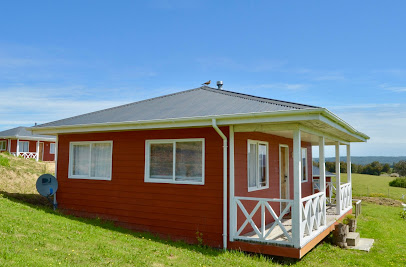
(257, 165)
(304, 164)
(175, 161)
(90, 160)
(24, 146)
(52, 148)
(3, 145)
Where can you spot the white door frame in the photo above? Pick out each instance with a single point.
(287, 172)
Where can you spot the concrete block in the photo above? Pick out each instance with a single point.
(352, 239)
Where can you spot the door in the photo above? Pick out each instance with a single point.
(284, 173)
(41, 151)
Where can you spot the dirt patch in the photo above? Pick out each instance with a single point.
(382, 201)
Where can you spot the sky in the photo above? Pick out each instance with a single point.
(64, 58)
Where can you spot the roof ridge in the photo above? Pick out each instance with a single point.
(256, 98)
(120, 106)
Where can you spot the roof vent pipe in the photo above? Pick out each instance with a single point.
(220, 85)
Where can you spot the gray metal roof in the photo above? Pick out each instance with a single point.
(19, 132)
(202, 101)
(316, 172)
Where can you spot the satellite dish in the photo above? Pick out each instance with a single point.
(47, 185)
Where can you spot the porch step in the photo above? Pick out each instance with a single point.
(352, 239)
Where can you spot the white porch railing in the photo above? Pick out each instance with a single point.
(263, 231)
(345, 196)
(330, 190)
(313, 210)
(26, 155)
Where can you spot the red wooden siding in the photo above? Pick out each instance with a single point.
(173, 210)
(241, 181)
(47, 155)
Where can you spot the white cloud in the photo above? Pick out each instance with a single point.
(384, 123)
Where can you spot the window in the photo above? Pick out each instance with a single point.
(23, 146)
(3, 145)
(52, 148)
(178, 161)
(304, 164)
(258, 174)
(90, 160)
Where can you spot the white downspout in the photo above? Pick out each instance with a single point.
(224, 182)
(56, 167)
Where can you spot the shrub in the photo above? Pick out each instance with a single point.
(398, 182)
(4, 161)
(348, 218)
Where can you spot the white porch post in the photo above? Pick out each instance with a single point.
(9, 145)
(18, 147)
(37, 151)
(338, 179)
(297, 190)
(322, 167)
(349, 176)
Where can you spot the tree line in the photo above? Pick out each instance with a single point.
(373, 168)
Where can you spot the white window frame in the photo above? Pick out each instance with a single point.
(148, 143)
(50, 148)
(1, 144)
(307, 165)
(71, 176)
(258, 187)
(22, 146)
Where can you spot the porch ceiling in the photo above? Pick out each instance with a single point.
(310, 131)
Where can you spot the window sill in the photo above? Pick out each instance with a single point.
(163, 181)
(252, 189)
(90, 178)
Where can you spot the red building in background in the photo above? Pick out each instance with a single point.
(20, 142)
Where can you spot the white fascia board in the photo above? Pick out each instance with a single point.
(336, 122)
(30, 138)
(181, 122)
(206, 121)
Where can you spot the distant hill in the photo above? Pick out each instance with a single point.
(367, 160)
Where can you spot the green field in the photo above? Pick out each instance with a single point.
(369, 185)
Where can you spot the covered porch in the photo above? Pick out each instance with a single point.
(22, 149)
(293, 223)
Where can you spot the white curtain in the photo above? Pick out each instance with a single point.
(23, 146)
(80, 165)
(101, 160)
(52, 148)
(262, 158)
(252, 165)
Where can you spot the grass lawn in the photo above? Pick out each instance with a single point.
(34, 235)
(37, 236)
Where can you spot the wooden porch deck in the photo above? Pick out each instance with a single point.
(278, 235)
(285, 251)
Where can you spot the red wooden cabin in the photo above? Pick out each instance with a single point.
(20, 142)
(232, 168)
